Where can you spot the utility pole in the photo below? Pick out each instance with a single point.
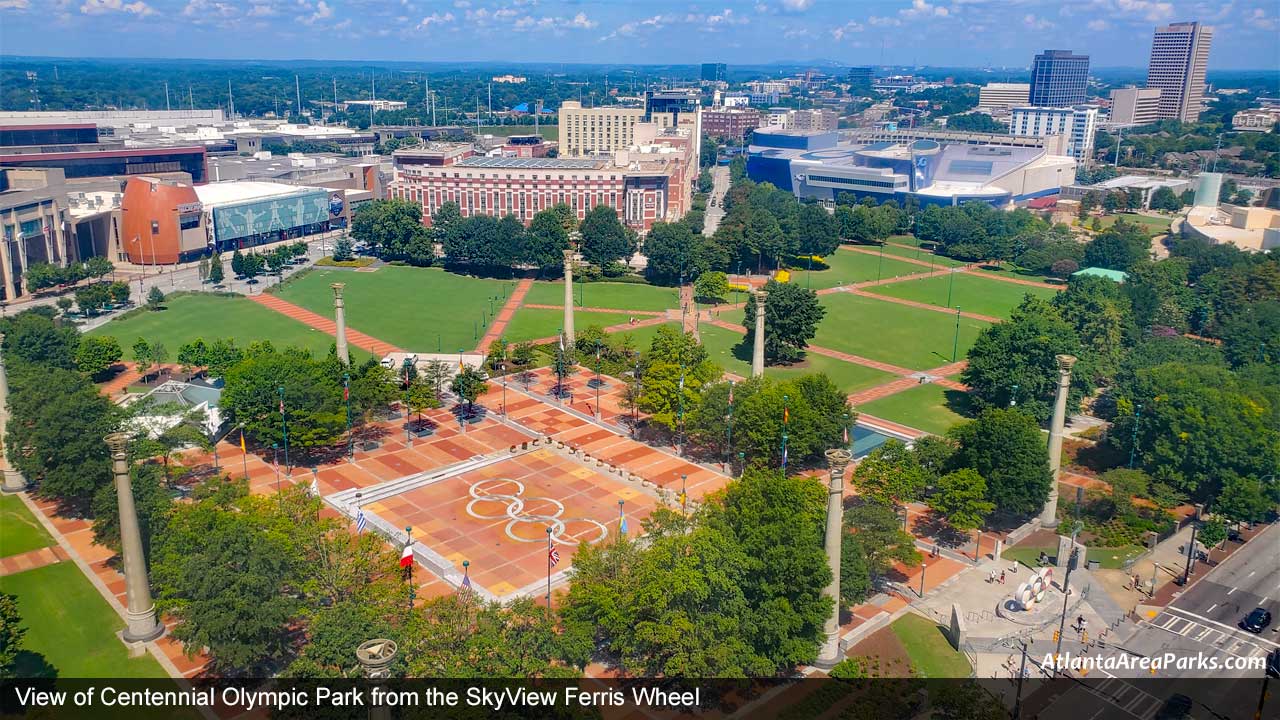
(297, 87)
(191, 98)
(1066, 592)
(1022, 672)
(166, 96)
(231, 99)
(373, 96)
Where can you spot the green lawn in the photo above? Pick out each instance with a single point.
(418, 309)
(929, 407)
(1153, 225)
(641, 337)
(928, 648)
(850, 266)
(905, 336)
(923, 256)
(970, 293)
(721, 344)
(187, 317)
(72, 626)
(19, 530)
(614, 296)
(548, 132)
(534, 323)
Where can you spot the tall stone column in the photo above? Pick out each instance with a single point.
(568, 298)
(13, 480)
(1049, 516)
(340, 320)
(837, 460)
(757, 351)
(140, 615)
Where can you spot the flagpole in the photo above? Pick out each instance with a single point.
(346, 395)
(548, 568)
(408, 531)
(284, 429)
(786, 418)
(244, 453)
(728, 450)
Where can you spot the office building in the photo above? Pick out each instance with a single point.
(1078, 124)
(1059, 78)
(510, 79)
(588, 131)
(1134, 106)
(34, 224)
(861, 77)
(1179, 57)
(818, 166)
(820, 120)
(77, 150)
(730, 123)
(1145, 185)
(730, 100)
(999, 97)
(1255, 120)
(112, 118)
(378, 105)
(714, 72)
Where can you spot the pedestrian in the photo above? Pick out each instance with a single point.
(1080, 623)
(1001, 577)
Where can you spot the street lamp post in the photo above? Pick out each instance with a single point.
(275, 460)
(346, 396)
(1191, 547)
(1072, 559)
(955, 344)
(284, 429)
(1133, 442)
(923, 566)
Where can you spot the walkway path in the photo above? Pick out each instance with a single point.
(323, 324)
(32, 560)
(499, 324)
(968, 268)
(620, 327)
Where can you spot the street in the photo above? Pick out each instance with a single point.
(715, 203)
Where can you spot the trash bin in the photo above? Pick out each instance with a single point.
(1093, 565)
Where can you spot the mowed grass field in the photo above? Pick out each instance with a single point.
(721, 345)
(971, 293)
(72, 626)
(927, 646)
(932, 408)
(909, 337)
(915, 253)
(414, 308)
(19, 530)
(614, 296)
(1153, 225)
(187, 317)
(536, 323)
(847, 266)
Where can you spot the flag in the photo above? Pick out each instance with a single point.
(461, 367)
(361, 522)
(846, 434)
(682, 382)
(786, 415)
(466, 581)
(561, 339)
(622, 526)
(553, 555)
(281, 405)
(315, 487)
(346, 393)
(784, 457)
(730, 393)
(684, 498)
(242, 448)
(406, 557)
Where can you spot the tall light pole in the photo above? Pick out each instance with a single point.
(1072, 558)
(140, 617)
(284, 429)
(837, 460)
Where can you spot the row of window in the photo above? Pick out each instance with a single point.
(852, 181)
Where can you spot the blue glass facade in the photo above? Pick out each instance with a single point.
(1059, 78)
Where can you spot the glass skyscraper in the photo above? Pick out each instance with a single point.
(1059, 79)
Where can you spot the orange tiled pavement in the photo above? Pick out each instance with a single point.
(323, 324)
(31, 560)
(499, 324)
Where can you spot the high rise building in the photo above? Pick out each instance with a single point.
(714, 72)
(861, 77)
(1179, 56)
(1077, 123)
(587, 131)
(1059, 79)
(1134, 106)
(1002, 96)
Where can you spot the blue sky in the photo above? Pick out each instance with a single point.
(935, 32)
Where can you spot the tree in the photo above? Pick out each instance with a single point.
(1087, 203)
(220, 356)
(1165, 199)
(874, 540)
(817, 416)
(890, 475)
(393, 229)
(1212, 532)
(142, 357)
(1245, 499)
(97, 353)
(961, 499)
(976, 122)
(98, 266)
(1004, 446)
(1110, 202)
(33, 337)
(119, 292)
(192, 355)
(604, 239)
(713, 285)
(1119, 247)
(64, 304)
(672, 374)
(92, 298)
(342, 251)
(816, 231)
(469, 385)
(546, 240)
(215, 270)
(312, 399)
(792, 314)
(237, 263)
(522, 354)
(155, 298)
(252, 266)
(12, 634)
(677, 253)
(420, 395)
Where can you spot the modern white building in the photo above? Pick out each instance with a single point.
(1179, 57)
(1255, 120)
(375, 104)
(1134, 106)
(1003, 96)
(1078, 124)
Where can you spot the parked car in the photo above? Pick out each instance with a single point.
(1273, 664)
(1256, 621)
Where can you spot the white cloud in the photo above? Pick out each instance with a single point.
(15, 4)
(1147, 10)
(103, 7)
(206, 9)
(462, 3)
(847, 28)
(921, 9)
(725, 17)
(883, 21)
(320, 11)
(797, 5)
(436, 19)
(1099, 25)
(262, 10)
(1036, 23)
(582, 22)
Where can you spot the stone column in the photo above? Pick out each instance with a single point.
(1049, 516)
(837, 460)
(375, 658)
(757, 351)
(13, 480)
(140, 614)
(340, 319)
(568, 298)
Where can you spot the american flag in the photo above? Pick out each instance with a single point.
(346, 392)
(553, 555)
(466, 581)
(846, 434)
(281, 406)
(361, 522)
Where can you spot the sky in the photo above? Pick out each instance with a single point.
(957, 33)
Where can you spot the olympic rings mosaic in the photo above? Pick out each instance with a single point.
(511, 494)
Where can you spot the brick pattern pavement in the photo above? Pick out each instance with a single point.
(508, 309)
(323, 324)
(32, 559)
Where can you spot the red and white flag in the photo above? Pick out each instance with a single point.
(406, 557)
(553, 555)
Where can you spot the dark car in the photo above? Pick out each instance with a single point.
(1273, 664)
(1176, 707)
(1256, 621)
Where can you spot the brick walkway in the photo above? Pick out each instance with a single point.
(859, 360)
(129, 376)
(874, 422)
(323, 324)
(499, 324)
(925, 306)
(31, 560)
(688, 314)
(880, 391)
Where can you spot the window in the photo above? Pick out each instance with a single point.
(155, 227)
